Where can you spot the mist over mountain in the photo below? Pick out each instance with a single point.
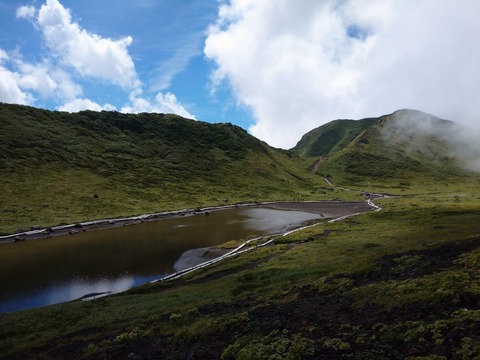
(460, 141)
(405, 145)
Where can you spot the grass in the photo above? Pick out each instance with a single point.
(401, 283)
(392, 153)
(373, 261)
(331, 137)
(66, 168)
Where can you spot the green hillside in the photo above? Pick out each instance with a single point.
(59, 167)
(331, 137)
(401, 152)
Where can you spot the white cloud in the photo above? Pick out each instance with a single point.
(84, 104)
(89, 54)
(43, 79)
(67, 89)
(26, 12)
(72, 58)
(27, 81)
(297, 65)
(168, 103)
(162, 77)
(37, 78)
(10, 91)
(164, 103)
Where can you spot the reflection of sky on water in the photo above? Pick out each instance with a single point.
(269, 220)
(272, 220)
(67, 291)
(64, 268)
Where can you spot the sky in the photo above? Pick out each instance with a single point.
(276, 68)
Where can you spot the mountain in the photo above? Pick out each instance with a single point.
(397, 283)
(331, 137)
(393, 151)
(59, 167)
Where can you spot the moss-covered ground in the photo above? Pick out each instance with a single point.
(400, 283)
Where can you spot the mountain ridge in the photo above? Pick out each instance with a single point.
(346, 130)
(106, 164)
(71, 167)
(406, 145)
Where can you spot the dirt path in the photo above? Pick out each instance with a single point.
(317, 164)
(328, 182)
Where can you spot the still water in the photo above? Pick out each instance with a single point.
(51, 270)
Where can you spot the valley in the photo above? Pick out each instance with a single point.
(400, 283)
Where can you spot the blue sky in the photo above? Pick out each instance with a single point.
(167, 39)
(277, 68)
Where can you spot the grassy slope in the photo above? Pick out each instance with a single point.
(400, 283)
(53, 164)
(331, 137)
(392, 154)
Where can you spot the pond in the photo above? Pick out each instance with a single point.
(51, 270)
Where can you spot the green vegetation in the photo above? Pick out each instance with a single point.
(331, 137)
(62, 168)
(392, 284)
(401, 283)
(389, 153)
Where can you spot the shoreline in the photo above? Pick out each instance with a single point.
(101, 224)
(195, 258)
(327, 208)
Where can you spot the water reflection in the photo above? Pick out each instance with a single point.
(47, 271)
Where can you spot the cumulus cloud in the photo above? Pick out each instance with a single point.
(26, 12)
(37, 78)
(73, 57)
(44, 79)
(84, 104)
(297, 65)
(164, 103)
(10, 90)
(69, 47)
(90, 54)
(66, 88)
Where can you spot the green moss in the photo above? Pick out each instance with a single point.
(276, 345)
